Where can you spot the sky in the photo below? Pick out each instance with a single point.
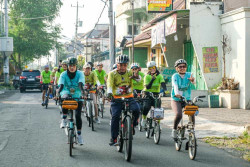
(88, 14)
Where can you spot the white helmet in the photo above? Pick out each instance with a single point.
(136, 65)
(180, 61)
(151, 64)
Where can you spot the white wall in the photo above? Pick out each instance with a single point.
(205, 31)
(236, 25)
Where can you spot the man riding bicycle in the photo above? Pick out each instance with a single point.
(153, 81)
(181, 87)
(138, 86)
(72, 80)
(91, 81)
(52, 80)
(45, 81)
(120, 86)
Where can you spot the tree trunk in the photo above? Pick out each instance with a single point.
(19, 61)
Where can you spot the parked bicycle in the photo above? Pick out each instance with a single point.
(125, 136)
(153, 122)
(190, 109)
(70, 104)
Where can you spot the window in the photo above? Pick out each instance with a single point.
(153, 58)
(136, 27)
(153, 51)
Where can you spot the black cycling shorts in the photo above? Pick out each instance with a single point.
(45, 87)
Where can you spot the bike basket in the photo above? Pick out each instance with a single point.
(69, 104)
(157, 113)
(190, 110)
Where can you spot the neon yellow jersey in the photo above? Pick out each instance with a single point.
(100, 75)
(156, 84)
(46, 76)
(91, 79)
(139, 85)
(120, 85)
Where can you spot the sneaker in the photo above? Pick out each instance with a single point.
(97, 121)
(80, 139)
(174, 134)
(43, 104)
(63, 123)
(143, 122)
(113, 142)
(50, 96)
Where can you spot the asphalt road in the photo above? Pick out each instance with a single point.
(30, 136)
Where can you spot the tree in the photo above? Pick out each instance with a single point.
(80, 61)
(32, 28)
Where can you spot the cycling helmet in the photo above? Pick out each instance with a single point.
(92, 65)
(151, 64)
(64, 62)
(180, 61)
(114, 66)
(72, 61)
(87, 65)
(122, 59)
(46, 66)
(99, 64)
(134, 65)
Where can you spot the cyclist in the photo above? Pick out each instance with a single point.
(180, 87)
(90, 82)
(153, 81)
(120, 86)
(45, 80)
(72, 79)
(101, 75)
(52, 80)
(61, 70)
(138, 86)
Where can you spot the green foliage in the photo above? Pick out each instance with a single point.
(81, 61)
(33, 38)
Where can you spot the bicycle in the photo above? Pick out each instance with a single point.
(153, 122)
(190, 109)
(89, 110)
(71, 104)
(100, 104)
(125, 135)
(46, 102)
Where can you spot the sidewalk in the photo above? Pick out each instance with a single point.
(217, 122)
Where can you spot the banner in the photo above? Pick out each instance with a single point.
(210, 59)
(160, 6)
(157, 34)
(171, 25)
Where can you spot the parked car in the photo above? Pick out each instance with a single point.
(30, 79)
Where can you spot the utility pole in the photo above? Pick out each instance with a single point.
(111, 35)
(133, 31)
(75, 43)
(6, 57)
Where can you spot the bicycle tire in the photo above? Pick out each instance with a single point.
(128, 138)
(71, 136)
(157, 132)
(92, 119)
(178, 141)
(120, 139)
(102, 108)
(88, 112)
(192, 146)
(139, 123)
(147, 130)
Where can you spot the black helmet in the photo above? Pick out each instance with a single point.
(72, 61)
(90, 64)
(122, 59)
(180, 61)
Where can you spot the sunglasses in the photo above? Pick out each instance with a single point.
(182, 67)
(150, 68)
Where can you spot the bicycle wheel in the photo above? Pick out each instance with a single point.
(102, 108)
(128, 138)
(71, 138)
(192, 146)
(157, 132)
(46, 101)
(92, 119)
(139, 123)
(120, 139)
(89, 108)
(178, 141)
(147, 130)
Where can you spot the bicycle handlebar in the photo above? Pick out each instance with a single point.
(122, 100)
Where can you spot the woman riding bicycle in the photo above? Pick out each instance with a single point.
(153, 81)
(138, 86)
(181, 87)
(70, 81)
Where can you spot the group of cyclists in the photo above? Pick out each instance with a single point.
(121, 82)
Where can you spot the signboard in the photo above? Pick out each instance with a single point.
(157, 34)
(167, 75)
(171, 25)
(210, 59)
(157, 6)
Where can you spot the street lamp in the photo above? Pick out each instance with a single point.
(133, 33)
